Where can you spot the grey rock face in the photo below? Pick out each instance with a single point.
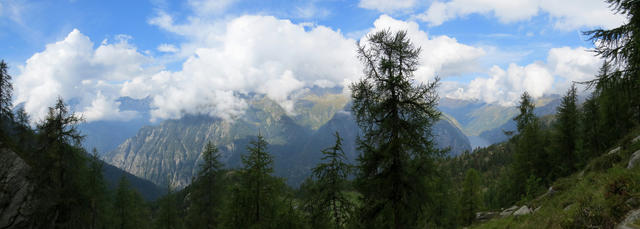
(616, 150)
(634, 161)
(17, 202)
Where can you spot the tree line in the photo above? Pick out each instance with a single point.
(399, 180)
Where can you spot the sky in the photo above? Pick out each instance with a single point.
(203, 56)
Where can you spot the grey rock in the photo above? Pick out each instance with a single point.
(634, 161)
(524, 210)
(508, 211)
(18, 205)
(485, 216)
(628, 222)
(636, 139)
(616, 150)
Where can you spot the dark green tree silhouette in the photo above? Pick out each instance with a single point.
(396, 114)
(328, 196)
(621, 48)
(565, 135)
(207, 190)
(471, 197)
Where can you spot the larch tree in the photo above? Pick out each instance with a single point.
(620, 47)
(395, 113)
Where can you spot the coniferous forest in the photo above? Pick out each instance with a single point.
(576, 168)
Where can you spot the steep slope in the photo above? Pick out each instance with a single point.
(170, 151)
(604, 194)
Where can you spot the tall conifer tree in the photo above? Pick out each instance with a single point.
(395, 113)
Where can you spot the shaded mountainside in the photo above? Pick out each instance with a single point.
(171, 150)
(484, 123)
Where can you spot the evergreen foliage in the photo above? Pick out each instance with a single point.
(328, 199)
(206, 191)
(395, 114)
(565, 136)
(471, 197)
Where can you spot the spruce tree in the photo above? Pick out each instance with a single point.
(258, 190)
(471, 197)
(565, 135)
(168, 217)
(530, 156)
(97, 192)
(328, 195)
(396, 114)
(206, 191)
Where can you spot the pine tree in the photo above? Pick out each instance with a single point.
(471, 198)
(328, 195)
(206, 195)
(6, 91)
(395, 114)
(565, 135)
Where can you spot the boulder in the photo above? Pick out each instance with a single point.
(636, 139)
(630, 220)
(508, 211)
(524, 210)
(634, 161)
(485, 216)
(616, 150)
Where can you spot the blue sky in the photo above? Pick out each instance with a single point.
(196, 56)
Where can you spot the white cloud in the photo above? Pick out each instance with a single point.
(167, 48)
(574, 64)
(567, 15)
(254, 54)
(226, 61)
(73, 69)
(386, 6)
(103, 108)
(441, 55)
(564, 65)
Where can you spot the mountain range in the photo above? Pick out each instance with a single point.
(169, 151)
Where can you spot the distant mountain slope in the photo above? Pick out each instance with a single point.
(497, 135)
(484, 123)
(171, 150)
(105, 136)
(147, 189)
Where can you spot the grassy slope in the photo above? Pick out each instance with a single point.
(592, 197)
